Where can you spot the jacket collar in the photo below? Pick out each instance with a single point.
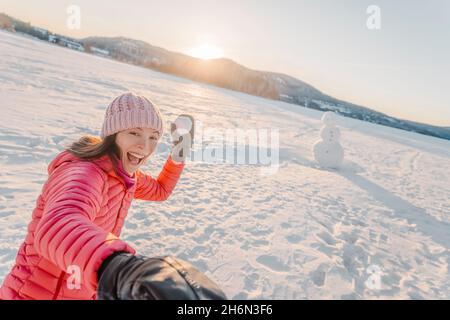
(104, 162)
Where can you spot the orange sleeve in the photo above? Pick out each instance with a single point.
(158, 189)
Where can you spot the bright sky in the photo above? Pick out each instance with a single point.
(401, 69)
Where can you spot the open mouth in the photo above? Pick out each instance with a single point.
(135, 158)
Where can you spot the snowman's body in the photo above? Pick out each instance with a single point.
(328, 152)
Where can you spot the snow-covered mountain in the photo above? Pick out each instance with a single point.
(221, 72)
(228, 74)
(376, 228)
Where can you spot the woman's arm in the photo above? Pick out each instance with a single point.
(158, 189)
(66, 234)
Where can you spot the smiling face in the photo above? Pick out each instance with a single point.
(135, 147)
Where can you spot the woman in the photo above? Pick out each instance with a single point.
(73, 236)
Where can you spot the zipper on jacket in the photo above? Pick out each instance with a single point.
(120, 209)
(58, 286)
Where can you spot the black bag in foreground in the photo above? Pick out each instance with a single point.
(124, 276)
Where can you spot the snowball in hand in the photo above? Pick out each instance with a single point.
(330, 133)
(328, 154)
(329, 118)
(183, 125)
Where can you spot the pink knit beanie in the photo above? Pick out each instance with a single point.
(130, 111)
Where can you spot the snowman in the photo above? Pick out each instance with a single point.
(328, 151)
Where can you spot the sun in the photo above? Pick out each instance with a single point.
(206, 51)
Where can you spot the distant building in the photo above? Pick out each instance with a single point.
(285, 96)
(52, 38)
(100, 52)
(73, 45)
(41, 31)
(69, 43)
(156, 61)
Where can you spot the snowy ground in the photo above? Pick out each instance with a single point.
(301, 233)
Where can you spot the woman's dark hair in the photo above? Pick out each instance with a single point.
(92, 147)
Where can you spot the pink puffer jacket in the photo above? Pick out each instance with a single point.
(75, 227)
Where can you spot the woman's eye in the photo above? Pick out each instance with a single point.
(133, 133)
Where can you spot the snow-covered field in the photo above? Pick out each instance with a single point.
(300, 233)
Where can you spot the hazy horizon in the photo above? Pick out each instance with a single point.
(401, 69)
